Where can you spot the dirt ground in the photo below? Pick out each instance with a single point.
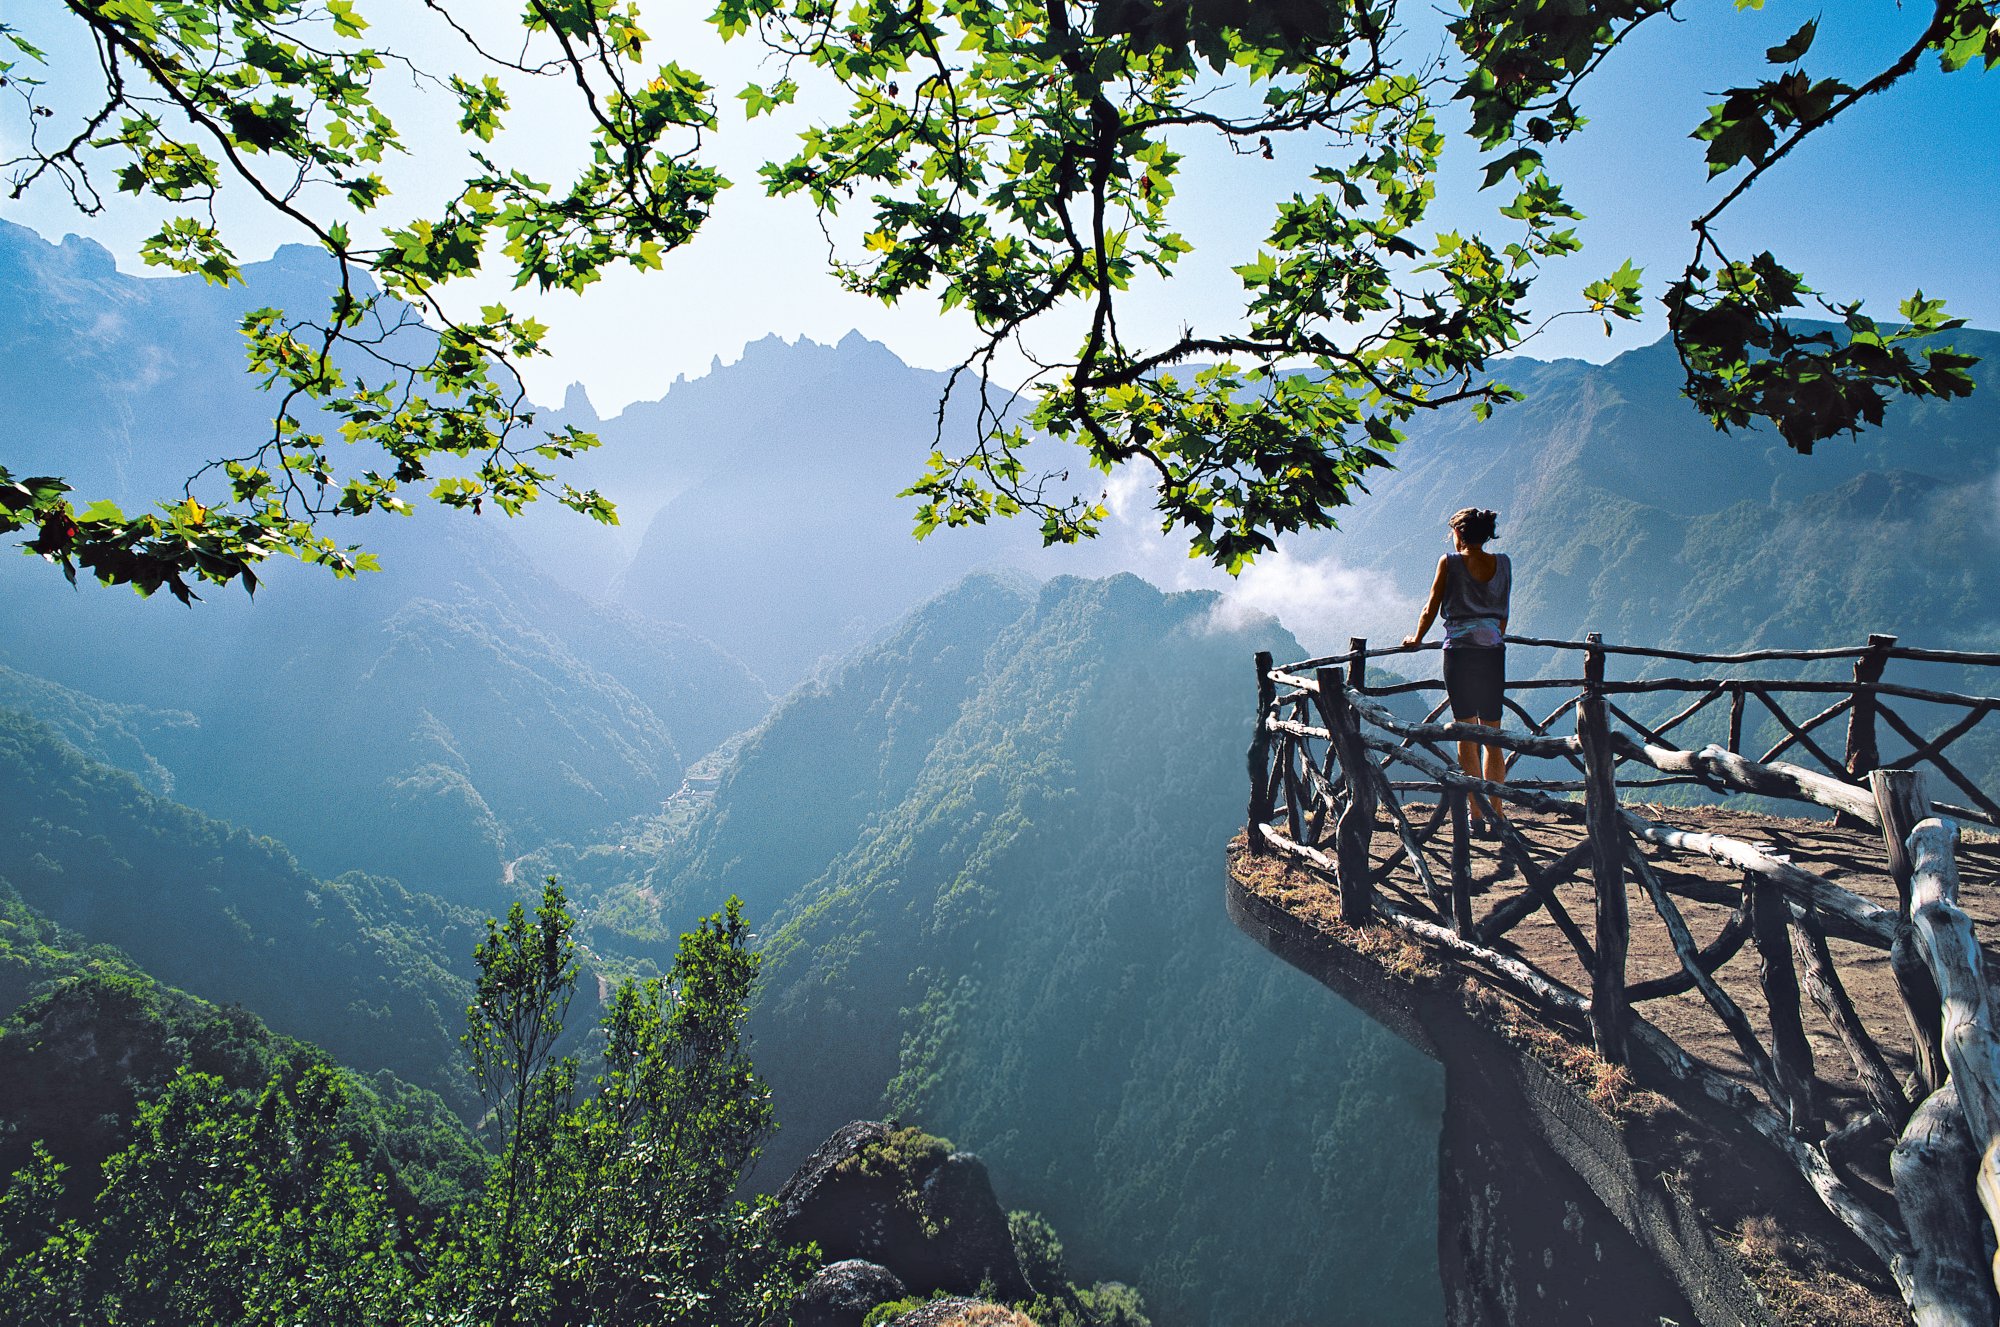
(1853, 859)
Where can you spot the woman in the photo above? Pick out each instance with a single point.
(1471, 589)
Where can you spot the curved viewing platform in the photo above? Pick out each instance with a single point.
(1734, 984)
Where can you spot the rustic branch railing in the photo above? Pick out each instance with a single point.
(1320, 769)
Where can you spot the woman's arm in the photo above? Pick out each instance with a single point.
(1431, 608)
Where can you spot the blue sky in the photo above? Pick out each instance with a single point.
(1902, 193)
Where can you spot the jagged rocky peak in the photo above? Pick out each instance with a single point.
(86, 257)
(577, 406)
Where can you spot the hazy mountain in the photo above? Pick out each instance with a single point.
(1626, 513)
(989, 850)
(128, 385)
(376, 974)
(441, 718)
(778, 534)
(788, 543)
(129, 737)
(430, 722)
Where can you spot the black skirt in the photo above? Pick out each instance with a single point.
(1474, 678)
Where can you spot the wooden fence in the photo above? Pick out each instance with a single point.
(1332, 769)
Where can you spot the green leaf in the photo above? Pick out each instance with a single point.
(1795, 46)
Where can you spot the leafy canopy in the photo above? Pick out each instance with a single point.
(1015, 158)
(1019, 159)
(280, 103)
(619, 1208)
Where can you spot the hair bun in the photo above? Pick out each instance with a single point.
(1475, 525)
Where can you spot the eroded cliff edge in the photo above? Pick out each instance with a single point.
(1565, 1194)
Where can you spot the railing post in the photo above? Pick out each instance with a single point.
(1792, 1056)
(1356, 829)
(1862, 753)
(1260, 756)
(1289, 748)
(1972, 1051)
(1461, 864)
(1900, 800)
(1736, 719)
(1815, 965)
(1357, 677)
(1927, 1167)
(1608, 1012)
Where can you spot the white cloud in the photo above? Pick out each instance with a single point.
(1320, 600)
(1318, 596)
(1128, 494)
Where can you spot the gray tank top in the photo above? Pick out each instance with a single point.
(1473, 609)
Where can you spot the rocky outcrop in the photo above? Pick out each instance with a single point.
(841, 1294)
(903, 1200)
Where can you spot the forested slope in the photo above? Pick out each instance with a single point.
(838, 754)
(377, 975)
(86, 1036)
(1023, 945)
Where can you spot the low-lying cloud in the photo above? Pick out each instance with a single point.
(1316, 595)
(1322, 600)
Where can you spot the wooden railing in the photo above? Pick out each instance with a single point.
(1332, 768)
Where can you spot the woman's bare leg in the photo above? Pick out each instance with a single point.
(1492, 766)
(1496, 772)
(1468, 761)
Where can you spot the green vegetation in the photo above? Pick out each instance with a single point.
(901, 1158)
(982, 848)
(835, 756)
(618, 1208)
(228, 1204)
(358, 965)
(1106, 1304)
(215, 1212)
(125, 737)
(1019, 160)
(1057, 1301)
(91, 1037)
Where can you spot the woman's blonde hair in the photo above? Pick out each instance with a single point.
(1475, 525)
